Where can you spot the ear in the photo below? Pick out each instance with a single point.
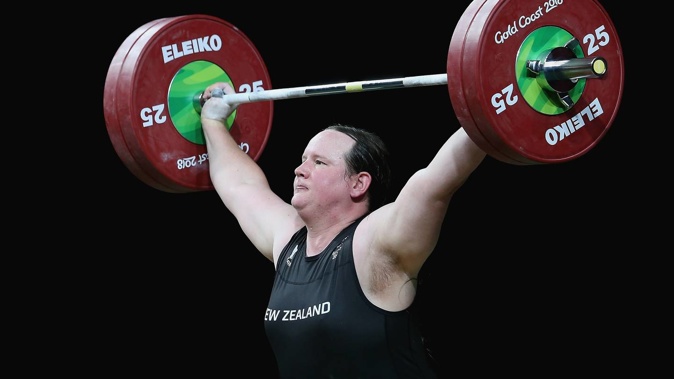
(360, 183)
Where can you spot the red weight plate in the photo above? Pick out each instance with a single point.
(110, 108)
(158, 108)
(455, 81)
(490, 79)
(150, 175)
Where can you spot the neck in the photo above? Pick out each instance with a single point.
(320, 233)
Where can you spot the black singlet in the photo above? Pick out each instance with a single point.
(321, 325)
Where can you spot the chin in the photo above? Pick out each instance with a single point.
(296, 203)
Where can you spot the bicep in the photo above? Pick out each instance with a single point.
(409, 227)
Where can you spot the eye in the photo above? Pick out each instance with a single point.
(318, 161)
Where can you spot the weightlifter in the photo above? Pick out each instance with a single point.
(346, 258)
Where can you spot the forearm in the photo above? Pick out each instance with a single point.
(229, 165)
(456, 160)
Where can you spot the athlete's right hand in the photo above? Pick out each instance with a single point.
(216, 107)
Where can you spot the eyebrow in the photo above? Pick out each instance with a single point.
(322, 157)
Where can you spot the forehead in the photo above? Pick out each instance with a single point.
(329, 143)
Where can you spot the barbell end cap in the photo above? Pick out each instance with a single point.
(599, 67)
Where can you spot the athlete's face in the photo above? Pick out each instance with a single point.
(320, 180)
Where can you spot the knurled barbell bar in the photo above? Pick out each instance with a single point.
(518, 83)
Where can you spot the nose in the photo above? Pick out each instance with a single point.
(300, 170)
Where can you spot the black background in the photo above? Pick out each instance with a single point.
(525, 278)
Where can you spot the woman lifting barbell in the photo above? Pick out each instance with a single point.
(346, 259)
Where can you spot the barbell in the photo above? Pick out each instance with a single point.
(531, 82)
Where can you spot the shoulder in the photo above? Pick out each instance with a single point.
(365, 236)
(285, 234)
